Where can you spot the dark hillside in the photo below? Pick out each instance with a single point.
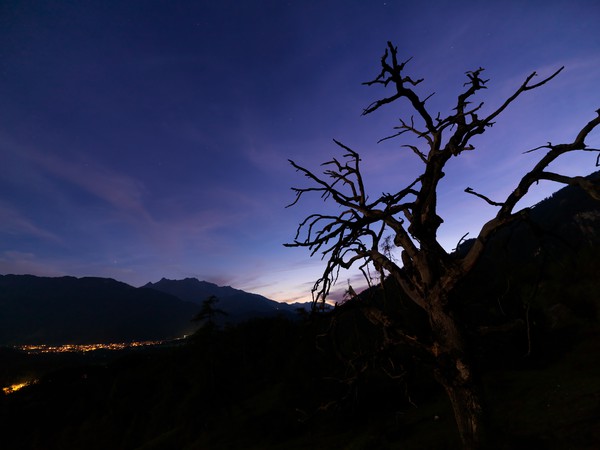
(274, 384)
(540, 277)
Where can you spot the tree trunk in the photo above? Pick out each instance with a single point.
(455, 373)
(467, 413)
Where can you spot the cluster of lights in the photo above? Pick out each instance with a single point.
(76, 348)
(84, 348)
(15, 387)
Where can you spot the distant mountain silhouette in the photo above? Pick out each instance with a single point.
(86, 310)
(239, 305)
(42, 310)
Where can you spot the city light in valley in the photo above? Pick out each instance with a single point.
(85, 348)
(15, 387)
(35, 349)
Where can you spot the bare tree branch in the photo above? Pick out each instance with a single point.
(506, 215)
(393, 74)
(491, 202)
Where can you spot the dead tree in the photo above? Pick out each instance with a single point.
(427, 273)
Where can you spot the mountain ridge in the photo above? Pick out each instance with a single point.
(68, 309)
(58, 310)
(238, 304)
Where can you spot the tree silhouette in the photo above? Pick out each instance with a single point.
(208, 313)
(427, 273)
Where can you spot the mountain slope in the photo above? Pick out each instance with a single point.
(238, 304)
(85, 310)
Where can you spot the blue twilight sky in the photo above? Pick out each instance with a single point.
(149, 139)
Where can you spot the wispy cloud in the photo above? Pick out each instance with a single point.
(14, 223)
(121, 191)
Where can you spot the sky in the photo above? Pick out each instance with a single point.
(150, 139)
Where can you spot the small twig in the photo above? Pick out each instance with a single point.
(548, 145)
(460, 241)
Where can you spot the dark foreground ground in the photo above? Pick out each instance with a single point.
(266, 385)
